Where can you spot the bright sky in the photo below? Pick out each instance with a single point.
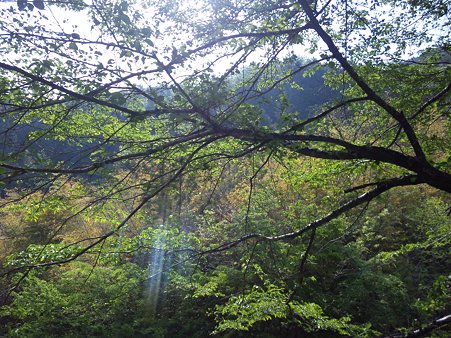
(78, 22)
(69, 22)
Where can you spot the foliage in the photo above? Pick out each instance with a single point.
(268, 303)
(268, 166)
(81, 301)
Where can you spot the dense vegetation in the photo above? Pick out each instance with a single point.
(230, 168)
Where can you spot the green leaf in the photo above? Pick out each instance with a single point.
(73, 46)
(39, 4)
(137, 46)
(125, 18)
(118, 98)
(21, 4)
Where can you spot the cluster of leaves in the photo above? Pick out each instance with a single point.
(78, 301)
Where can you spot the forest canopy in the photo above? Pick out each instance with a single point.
(220, 167)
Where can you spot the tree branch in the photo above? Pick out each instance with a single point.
(366, 197)
(421, 332)
(97, 165)
(398, 116)
(425, 171)
(433, 99)
(301, 125)
(102, 238)
(90, 98)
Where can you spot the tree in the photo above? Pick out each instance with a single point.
(136, 106)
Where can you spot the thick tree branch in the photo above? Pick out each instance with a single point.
(372, 95)
(297, 143)
(422, 332)
(300, 144)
